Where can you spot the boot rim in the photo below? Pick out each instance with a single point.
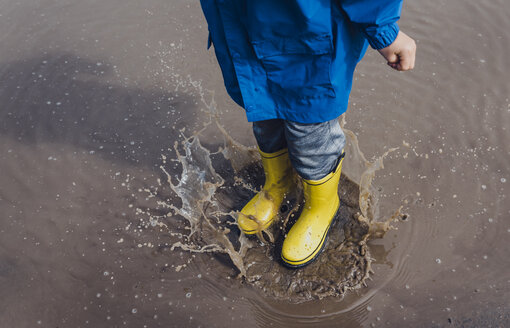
(329, 176)
(274, 154)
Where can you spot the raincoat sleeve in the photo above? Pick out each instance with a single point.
(376, 18)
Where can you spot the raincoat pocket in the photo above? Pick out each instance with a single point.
(297, 67)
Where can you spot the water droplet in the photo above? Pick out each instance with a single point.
(134, 310)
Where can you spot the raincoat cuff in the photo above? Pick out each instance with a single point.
(381, 36)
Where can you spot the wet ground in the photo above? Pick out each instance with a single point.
(94, 94)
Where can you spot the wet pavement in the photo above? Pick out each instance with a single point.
(94, 94)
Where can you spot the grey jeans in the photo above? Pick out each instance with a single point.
(314, 148)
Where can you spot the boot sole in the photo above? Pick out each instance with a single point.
(264, 227)
(320, 246)
(268, 223)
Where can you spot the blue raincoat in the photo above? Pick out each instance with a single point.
(294, 59)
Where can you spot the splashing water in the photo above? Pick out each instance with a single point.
(214, 185)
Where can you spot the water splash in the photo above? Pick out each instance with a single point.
(213, 185)
(209, 198)
(368, 201)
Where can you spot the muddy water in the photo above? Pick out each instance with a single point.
(93, 94)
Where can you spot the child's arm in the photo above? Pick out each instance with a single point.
(377, 19)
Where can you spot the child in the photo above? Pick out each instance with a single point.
(289, 64)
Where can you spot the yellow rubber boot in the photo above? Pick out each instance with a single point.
(262, 209)
(308, 235)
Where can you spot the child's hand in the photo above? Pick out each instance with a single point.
(401, 53)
